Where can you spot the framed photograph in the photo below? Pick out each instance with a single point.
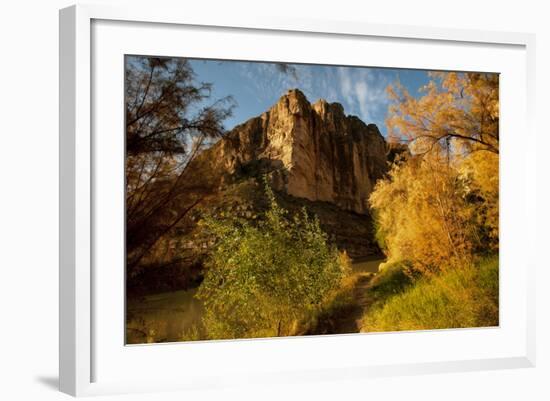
(270, 200)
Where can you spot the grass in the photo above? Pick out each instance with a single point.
(466, 297)
(390, 281)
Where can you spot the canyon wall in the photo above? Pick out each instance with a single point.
(310, 151)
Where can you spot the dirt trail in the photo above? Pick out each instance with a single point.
(348, 320)
(345, 319)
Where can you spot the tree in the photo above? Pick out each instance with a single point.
(459, 112)
(438, 206)
(168, 122)
(423, 215)
(479, 174)
(262, 279)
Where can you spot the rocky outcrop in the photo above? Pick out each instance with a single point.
(317, 159)
(310, 151)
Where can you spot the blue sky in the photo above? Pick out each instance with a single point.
(257, 86)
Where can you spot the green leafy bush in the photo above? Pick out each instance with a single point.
(263, 278)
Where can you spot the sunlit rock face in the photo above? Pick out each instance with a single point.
(311, 151)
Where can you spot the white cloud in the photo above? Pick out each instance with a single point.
(268, 82)
(345, 83)
(362, 91)
(372, 97)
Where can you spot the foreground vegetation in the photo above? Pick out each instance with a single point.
(457, 298)
(266, 279)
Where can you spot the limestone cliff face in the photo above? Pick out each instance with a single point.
(311, 151)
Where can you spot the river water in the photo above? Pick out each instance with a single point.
(167, 316)
(172, 316)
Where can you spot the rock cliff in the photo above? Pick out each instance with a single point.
(316, 157)
(310, 151)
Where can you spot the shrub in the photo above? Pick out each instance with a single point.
(262, 279)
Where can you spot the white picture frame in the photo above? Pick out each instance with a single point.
(82, 345)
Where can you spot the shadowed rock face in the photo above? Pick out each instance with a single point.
(311, 151)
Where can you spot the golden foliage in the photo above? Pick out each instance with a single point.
(458, 112)
(438, 206)
(479, 172)
(423, 214)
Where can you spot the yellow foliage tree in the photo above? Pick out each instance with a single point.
(459, 112)
(479, 172)
(423, 215)
(438, 206)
